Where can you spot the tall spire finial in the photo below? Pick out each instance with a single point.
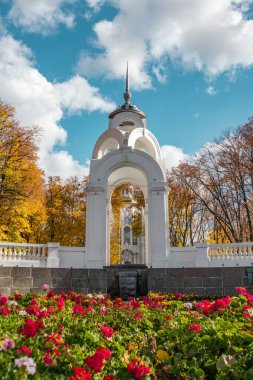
(127, 94)
(127, 82)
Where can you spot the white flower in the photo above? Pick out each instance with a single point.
(22, 312)
(188, 305)
(90, 295)
(13, 303)
(28, 363)
(100, 296)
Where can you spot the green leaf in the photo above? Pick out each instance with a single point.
(148, 323)
(225, 361)
(249, 374)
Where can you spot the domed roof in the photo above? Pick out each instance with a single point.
(127, 106)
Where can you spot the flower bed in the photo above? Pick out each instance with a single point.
(73, 336)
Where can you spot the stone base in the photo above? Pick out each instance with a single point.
(196, 281)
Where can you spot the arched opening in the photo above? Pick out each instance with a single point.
(145, 145)
(126, 126)
(108, 146)
(127, 225)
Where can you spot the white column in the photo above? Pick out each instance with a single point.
(201, 255)
(53, 255)
(159, 226)
(96, 226)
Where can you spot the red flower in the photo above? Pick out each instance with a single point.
(97, 361)
(30, 328)
(24, 349)
(43, 314)
(135, 304)
(3, 299)
(81, 374)
(109, 377)
(33, 310)
(18, 296)
(107, 331)
(138, 315)
(60, 303)
(50, 294)
(241, 290)
(168, 318)
(5, 310)
(48, 360)
(138, 369)
(194, 327)
(78, 310)
(51, 309)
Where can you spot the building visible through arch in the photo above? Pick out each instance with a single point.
(127, 152)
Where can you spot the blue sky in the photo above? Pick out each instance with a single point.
(62, 65)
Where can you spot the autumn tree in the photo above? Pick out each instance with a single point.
(220, 178)
(22, 211)
(187, 217)
(66, 211)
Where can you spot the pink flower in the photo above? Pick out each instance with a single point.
(45, 287)
(7, 343)
(103, 310)
(194, 327)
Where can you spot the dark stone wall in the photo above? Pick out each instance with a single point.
(200, 281)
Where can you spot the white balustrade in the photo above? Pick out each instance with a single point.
(22, 251)
(230, 251)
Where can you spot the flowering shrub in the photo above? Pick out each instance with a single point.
(78, 337)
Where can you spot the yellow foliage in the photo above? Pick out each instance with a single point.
(162, 355)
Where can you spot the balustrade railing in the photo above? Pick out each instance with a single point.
(23, 251)
(230, 251)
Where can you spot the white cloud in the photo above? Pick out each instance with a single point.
(95, 4)
(211, 90)
(62, 164)
(196, 115)
(41, 102)
(173, 155)
(213, 36)
(41, 16)
(77, 94)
